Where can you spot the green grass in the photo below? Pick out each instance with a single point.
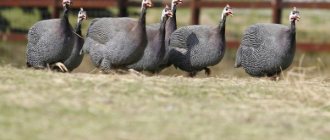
(229, 105)
(46, 105)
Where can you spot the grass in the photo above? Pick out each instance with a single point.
(45, 105)
(229, 105)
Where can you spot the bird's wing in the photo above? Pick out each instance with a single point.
(103, 30)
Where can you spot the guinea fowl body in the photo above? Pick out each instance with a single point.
(171, 26)
(49, 41)
(266, 49)
(155, 50)
(153, 53)
(116, 42)
(194, 48)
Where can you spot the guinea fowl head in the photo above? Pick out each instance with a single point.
(146, 3)
(66, 3)
(167, 12)
(82, 15)
(294, 15)
(176, 2)
(227, 11)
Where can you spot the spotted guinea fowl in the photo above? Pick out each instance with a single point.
(194, 48)
(171, 26)
(50, 41)
(267, 49)
(117, 42)
(76, 57)
(155, 50)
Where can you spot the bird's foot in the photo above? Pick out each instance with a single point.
(274, 78)
(237, 65)
(132, 71)
(61, 66)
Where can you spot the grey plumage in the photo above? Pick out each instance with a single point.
(194, 48)
(76, 57)
(49, 41)
(267, 49)
(116, 42)
(155, 50)
(171, 26)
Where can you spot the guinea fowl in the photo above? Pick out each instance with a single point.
(76, 57)
(155, 50)
(50, 41)
(267, 49)
(194, 48)
(117, 42)
(171, 26)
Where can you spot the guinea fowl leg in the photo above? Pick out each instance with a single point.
(207, 71)
(61, 66)
(275, 77)
(135, 72)
(48, 67)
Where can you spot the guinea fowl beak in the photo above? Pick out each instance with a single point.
(170, 14)
(83, 17)
(295, 18)
(230, 12)
(168, 11)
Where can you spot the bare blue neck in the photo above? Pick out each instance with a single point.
(293, 35)
(65, 16)
(142, 19)
(162, 35)
(78, 28)
(222, 28)
(171, 24)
